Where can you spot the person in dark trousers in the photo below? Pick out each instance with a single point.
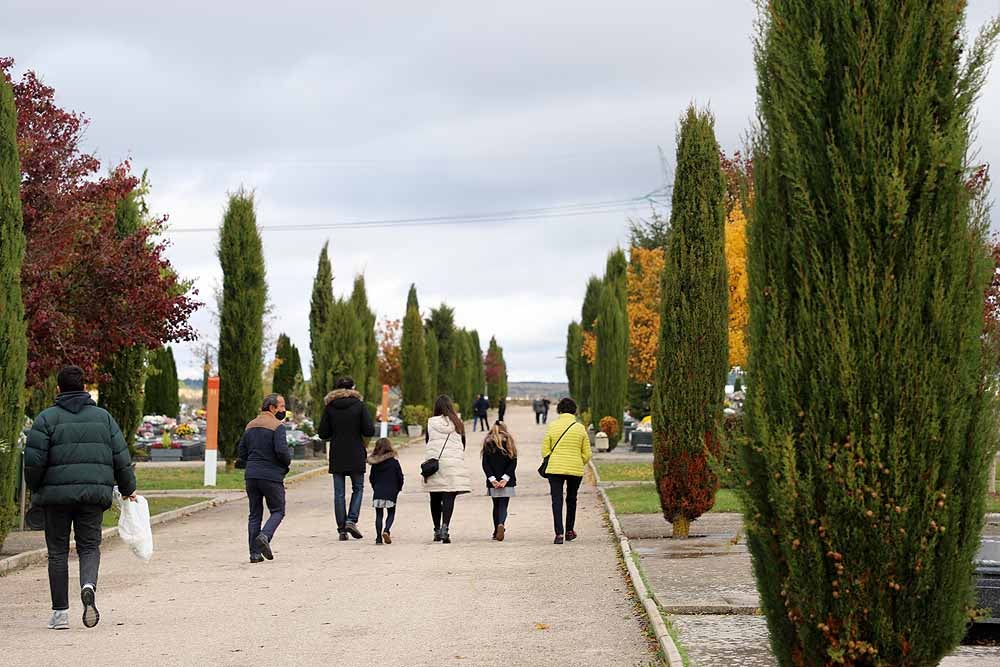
(567, 445)
(500, 467)
(386, 478)
(75, 456)
(263, 451)
(480, 413)
(546, 405)
(502, 409)
(445, 441)
(347, 424)
(539, 408)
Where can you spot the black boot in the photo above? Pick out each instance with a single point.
(445, 537)
(437, 534)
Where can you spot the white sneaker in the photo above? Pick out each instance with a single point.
(59, 620)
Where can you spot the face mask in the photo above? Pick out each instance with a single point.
(280, 416)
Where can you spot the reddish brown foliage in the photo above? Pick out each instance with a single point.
(390, 360)
(688, 488)
(494, 367)
(88, 290)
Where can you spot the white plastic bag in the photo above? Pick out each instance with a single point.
(133, 525)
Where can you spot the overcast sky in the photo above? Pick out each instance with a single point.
(371, 111)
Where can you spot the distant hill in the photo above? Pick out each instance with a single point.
(522, 390)
(192, 384)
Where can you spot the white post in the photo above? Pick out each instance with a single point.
(384, 430)
(212, 432)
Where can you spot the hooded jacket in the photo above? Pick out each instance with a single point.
(447, 446)
(264, 449)
(347, 424)
(386, 476)
(76, 454)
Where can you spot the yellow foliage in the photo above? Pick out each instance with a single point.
(589, 349)
(644, 273)
(736, 265)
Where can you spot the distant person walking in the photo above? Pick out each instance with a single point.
(480, 412)
(567, 445)
(502, 409)
(539, 407)
(445, 440)
(546, 404)
(386, 479)
(346, 423)
(264, 454)
(75, 456)
(500, 467)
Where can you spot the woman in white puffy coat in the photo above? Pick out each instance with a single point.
(445, 438)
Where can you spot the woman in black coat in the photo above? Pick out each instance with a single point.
(500, 468)
(386, 479)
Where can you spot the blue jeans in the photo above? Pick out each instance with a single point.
(340, 497)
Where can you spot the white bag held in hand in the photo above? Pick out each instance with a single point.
(133, 525)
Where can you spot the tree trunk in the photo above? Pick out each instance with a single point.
(682, 527)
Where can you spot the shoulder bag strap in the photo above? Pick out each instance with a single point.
(444, 445)
(561, 437)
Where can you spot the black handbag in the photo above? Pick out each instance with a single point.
(430, 466)
(545, 461)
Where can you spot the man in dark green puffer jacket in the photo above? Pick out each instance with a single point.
(75, 456)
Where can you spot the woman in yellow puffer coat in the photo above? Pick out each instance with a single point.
(567, 445)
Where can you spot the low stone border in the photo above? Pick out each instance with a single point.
(35, 556)
(663, 637)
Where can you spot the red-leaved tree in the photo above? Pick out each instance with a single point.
(390, 359)
(88, 292)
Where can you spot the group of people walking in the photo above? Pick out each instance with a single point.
(347, 424)
(76, 455)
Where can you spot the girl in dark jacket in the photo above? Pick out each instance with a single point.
(500, 466)
(386, 478)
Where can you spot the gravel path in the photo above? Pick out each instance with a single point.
(523, 601)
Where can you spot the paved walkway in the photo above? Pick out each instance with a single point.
(474, 602)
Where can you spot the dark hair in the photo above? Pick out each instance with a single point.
(70, 378)
(444, 407)
(346, 382)
(383, 446)
(566, 406)
(271, 400)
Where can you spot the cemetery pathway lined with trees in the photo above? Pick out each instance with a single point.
(415, 602)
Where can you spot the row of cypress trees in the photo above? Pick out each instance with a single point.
(161, 386)
(440, 358)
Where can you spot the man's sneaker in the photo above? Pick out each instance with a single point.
(386, 537)
(501, 531)
(59, 620)
(90, 614)
(343, 537)
(256, 558)
(352, 528)
(558, 540)
(570, 535)
(264, 545)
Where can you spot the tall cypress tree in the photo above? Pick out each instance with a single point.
(241, 323)
(284, 374)
(156, 393)
(479, 382)
(494, 373)
(120, 391)
(413, 355)
(503, 375)
(442, 322)
(346, 343)
(588, 316)
(320, 309)
(609, 378)
(171, 387)
(462, 381)
(574, 341)
(869, 410)
(13, 336)
(206, 367)
(295, 372)
(433, 362)
(368, 385)
(692, 360)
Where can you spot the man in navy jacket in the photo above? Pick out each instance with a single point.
(263, 451)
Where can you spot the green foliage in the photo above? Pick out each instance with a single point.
(284, 374)
(870, 417)
(320, 310)
(13, 336)
(121, 387)
(442, 323)
(433, 361)
(574, 341)
(416, 387)
(640, 399)
(609, 378)
(644, 499)
(241, 321)
(692, 361)
(649, 234)
(588, 317)
(368, 385)
(478, 360)
(161, 390)
(345, 338)
(416, 415)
